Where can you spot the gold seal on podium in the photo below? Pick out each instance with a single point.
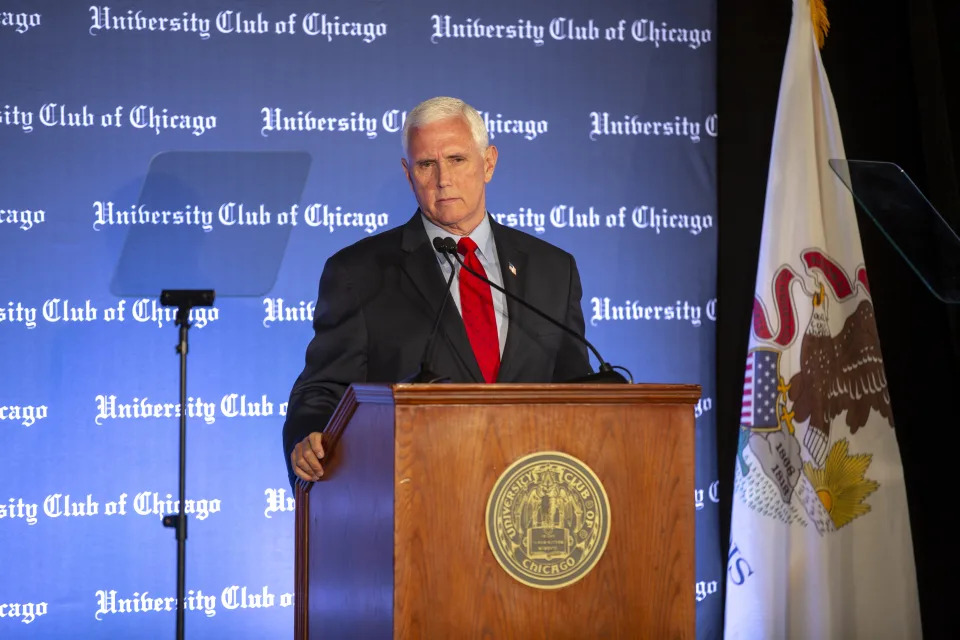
(548, 520)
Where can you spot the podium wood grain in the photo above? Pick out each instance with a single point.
(397, 544)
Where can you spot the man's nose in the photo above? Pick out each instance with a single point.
(443, 175)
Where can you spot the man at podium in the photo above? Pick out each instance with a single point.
(381, 298)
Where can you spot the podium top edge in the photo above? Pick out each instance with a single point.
(525, 393)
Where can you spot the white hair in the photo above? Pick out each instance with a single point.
(441, 108)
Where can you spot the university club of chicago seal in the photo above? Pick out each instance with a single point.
(548, 520)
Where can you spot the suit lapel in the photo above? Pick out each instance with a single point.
(420, 264)
(514, 281)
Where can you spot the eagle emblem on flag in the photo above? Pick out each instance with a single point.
(796, 387)
(841, 373)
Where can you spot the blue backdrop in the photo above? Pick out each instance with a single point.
(604, 115)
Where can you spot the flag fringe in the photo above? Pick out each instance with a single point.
(821, 25)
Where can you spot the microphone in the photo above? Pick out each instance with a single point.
(606, 373)
(425, 374)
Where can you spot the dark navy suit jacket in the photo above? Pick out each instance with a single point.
(378, 299)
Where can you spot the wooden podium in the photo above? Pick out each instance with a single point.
(392, 542)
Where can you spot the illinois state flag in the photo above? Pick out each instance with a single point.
(820, 542)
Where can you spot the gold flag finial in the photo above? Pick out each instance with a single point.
(821, 25)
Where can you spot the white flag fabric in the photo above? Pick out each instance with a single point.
(820, 543)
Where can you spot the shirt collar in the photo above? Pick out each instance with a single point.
(482, 235)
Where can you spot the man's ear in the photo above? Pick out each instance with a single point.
(406, 171)
(490, 155)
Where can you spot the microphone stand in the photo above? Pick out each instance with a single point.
(606, 373)
(425, 374)
(184, 300)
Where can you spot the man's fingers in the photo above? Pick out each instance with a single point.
(305, 457)
(300, 466)
(316, 444)
(311, 461)
(302, 474)
(305, 470)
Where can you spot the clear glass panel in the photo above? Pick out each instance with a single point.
(210, 220)
(890, 198)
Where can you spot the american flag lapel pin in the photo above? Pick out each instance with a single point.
(512, 268)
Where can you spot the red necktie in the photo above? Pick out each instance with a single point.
(476, 306)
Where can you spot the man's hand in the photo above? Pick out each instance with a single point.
(306, 457)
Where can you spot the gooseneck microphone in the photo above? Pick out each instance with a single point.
(426, 374)
(606, 373)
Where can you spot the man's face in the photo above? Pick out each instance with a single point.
(448, 174)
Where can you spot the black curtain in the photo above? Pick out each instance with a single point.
(893, 69)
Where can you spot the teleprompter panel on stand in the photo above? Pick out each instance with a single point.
(909, 222)
(206, 222)
(211, 220)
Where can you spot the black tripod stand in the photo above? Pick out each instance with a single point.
(184, 300)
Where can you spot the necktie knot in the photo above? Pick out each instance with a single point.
(466, 246)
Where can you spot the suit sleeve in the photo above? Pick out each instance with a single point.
(572, 359)
(336, 357)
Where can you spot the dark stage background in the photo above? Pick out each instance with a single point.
(893, 70)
